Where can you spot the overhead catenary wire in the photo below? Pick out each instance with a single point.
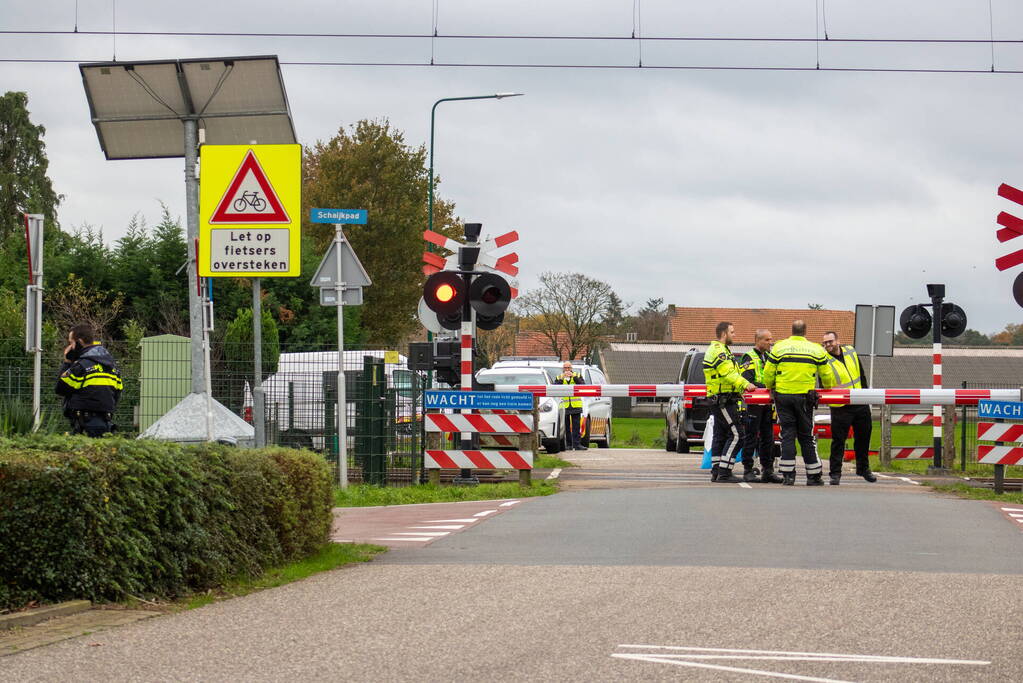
(665, 67)
(497, 36)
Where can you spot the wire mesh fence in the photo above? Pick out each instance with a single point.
(383, 414)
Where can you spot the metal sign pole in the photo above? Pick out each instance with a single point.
(258, 414)
(34, 309)
(873, 345)
(342, 399)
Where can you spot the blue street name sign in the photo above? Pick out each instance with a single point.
(479, 400)
(347, 216)
(1007, 410)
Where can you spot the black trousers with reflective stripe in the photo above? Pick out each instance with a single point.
(796, 418)
(759, 437)
(727, 434)
(858, 417)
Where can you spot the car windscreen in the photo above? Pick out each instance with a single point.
(512, 377)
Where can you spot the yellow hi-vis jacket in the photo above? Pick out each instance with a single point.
(795, 364)
(847, 372)
(720, 371)
(568, 402)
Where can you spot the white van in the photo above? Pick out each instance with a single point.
(294, 396)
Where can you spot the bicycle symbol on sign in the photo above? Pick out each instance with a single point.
(249, 199)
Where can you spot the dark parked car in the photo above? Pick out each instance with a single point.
(686, 418)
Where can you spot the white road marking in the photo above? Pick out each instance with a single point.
(440, 526)
(686, 655)
(832, 655)
(466, 520)
(1013, 509)
(745, 485)
(905, 479)
(485, 513)
(1015, 514)
(555, 473)
(509, 503)
(417, 540)
(342, 540)
(427, 534)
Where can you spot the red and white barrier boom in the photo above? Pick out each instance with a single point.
(936, 397)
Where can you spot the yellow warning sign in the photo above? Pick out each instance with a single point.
(250, 204)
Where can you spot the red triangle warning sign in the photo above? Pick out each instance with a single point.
(250, 198)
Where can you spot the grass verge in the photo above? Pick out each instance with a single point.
(366, 495)
(542, 461)
(330, 556)
(638, 432)
(977, 492)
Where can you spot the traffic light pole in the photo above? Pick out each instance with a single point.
(467, 260)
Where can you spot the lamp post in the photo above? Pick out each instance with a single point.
(433, 116)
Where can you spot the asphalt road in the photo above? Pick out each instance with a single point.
(691, 582)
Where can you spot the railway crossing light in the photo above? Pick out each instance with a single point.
(489, 295)
(953, 320)
(915, 322)
(444, 293)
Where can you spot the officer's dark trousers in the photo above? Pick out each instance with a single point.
(796, 418)
(574, 418)
(841, 419)
(94, 425)
(727, 434)
(759, 439)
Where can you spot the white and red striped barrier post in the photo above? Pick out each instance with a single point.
(936, 409)
(475, 423)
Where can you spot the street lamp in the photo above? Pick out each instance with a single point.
(433, 113)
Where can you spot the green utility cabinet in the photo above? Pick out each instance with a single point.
(166, 376)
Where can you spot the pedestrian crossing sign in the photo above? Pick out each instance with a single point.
(250, 210)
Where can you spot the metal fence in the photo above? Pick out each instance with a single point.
(383, 398)
(968, 420)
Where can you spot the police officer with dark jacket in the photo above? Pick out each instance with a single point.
(724, 390)
(89, 382)
(759, 421)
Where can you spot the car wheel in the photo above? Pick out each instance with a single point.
(606, 443)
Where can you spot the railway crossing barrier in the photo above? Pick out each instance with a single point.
(992, 426)
(506, 424)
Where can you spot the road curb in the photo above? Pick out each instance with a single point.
(34, 616)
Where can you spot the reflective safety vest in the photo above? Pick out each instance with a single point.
(569, 401)
(752, 359)
(720, 371)
(846, 371)
(795, 364)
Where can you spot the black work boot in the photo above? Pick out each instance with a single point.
(815, 479)
(726, 476)
(788, 478)
(868, 475)
(714, 473)
(769, 477)
(836, 478)
(749, 474)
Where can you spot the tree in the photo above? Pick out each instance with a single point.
(569, 309)
(371, 167)
(651, 323)
(24, 185)
(815, 307)
(492, 344)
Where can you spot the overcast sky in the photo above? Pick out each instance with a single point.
(765, 189)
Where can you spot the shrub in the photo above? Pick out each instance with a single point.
(106, 518)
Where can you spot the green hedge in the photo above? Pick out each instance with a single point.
(103, 519)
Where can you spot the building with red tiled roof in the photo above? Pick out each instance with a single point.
(696, 325)
(538, 344)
